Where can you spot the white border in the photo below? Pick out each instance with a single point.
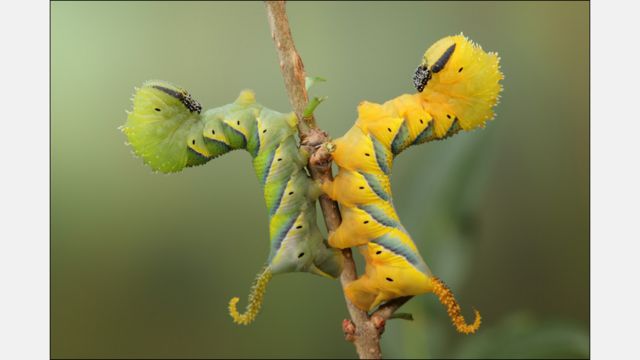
(24, 180)
(615, 135)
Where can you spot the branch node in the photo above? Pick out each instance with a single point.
(378, 322)
(331, 147)
(349, 329)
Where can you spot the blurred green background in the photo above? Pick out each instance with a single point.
(143, 264)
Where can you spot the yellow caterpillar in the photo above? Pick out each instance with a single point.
(458, 85)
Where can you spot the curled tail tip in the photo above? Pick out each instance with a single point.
(241, 319)
(255, 301)
(233, 310)
(445, 295)
(465, 328)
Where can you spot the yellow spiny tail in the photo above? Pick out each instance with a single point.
(453, 309)
(255, 300)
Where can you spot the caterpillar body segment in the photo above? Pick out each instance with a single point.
(458, 86)
(169, 131)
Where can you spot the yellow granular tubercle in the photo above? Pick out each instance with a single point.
(255, 300)
(453, 309)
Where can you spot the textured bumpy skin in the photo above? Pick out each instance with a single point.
(458, 86)
(169, 132)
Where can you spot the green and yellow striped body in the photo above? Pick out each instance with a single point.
(168, 130)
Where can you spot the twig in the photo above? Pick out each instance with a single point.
(362, 330)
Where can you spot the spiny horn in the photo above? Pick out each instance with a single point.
(255, 300)
(453, 309)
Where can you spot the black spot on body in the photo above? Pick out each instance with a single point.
(460, 70)
(213, 132)
(378, 252)
(238, 122)
(264, 131)
(361, 187)
(366, 221)
(291, 193)
(300, 255)
(193, 142)
(448, 116)
(299, 227)
(389, 279)
(421, 122)
(157, 109)
(367, 154)
(389, 129)
(280, 159)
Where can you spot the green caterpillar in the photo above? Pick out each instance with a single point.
(169, 131)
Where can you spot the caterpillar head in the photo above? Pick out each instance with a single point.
(163, 127)
(178, 93)
(433, 61)
(459, 80)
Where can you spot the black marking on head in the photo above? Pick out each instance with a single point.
(378, 252)
(448, 116)
(300, 255)
(367, 154)
(238, 122)
(421, 122)
(264, 131)
(213, 131)
(366, 221)
(291, 193)
(389, 129)
(439, 65)
(460, 70)
(184, 97)
(157, 109)
(280, 159)
(193, 142)
(361, 187)
(421, 77)
(299, 227)
(389, 279)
